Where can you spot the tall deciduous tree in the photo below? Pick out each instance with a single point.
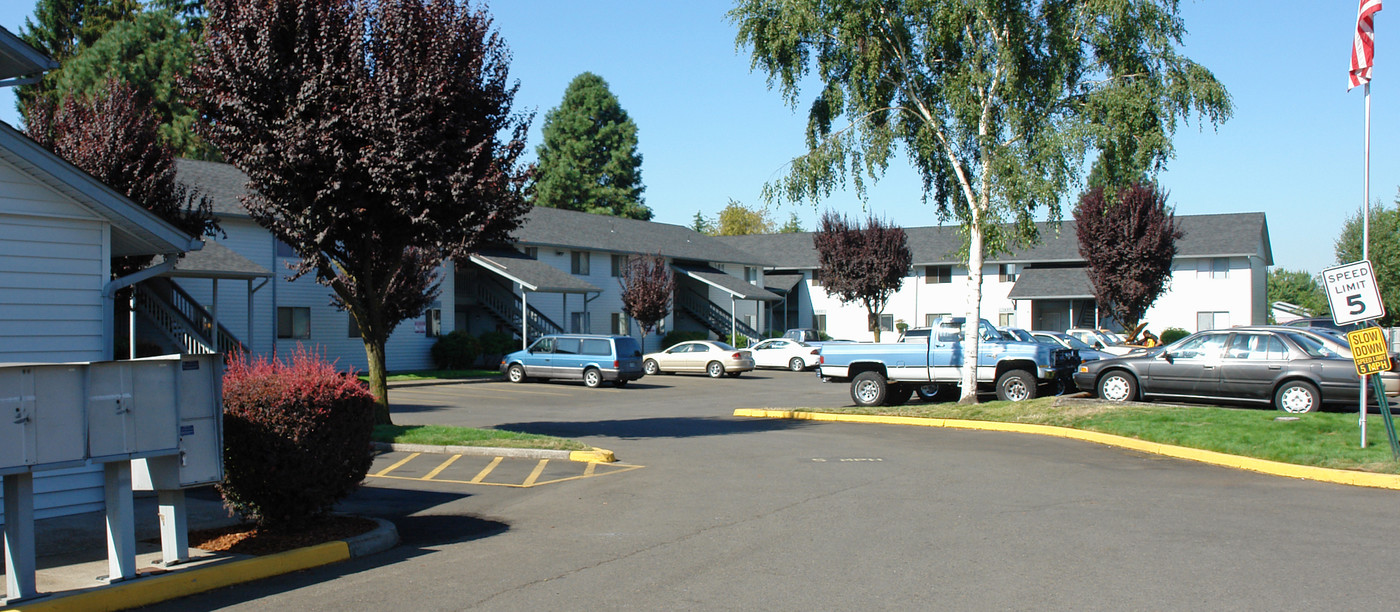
(378, 139)
(1128, 239)
(1299, 288)
(647, 289)
(1384, 253)
(995, 102)
(739, 220)
(589, 159)
(113, 137)
(862, 264)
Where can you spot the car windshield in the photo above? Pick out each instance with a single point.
(1076, 343)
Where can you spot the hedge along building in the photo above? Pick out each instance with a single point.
(563, 270)
(1218, 279)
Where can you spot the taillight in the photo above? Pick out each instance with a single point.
(615, 365)
(736, 356)
(816, 351)
(820, 359)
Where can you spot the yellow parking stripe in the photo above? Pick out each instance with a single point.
(535, 475)
(487, 470)
(588, 471)
(397, 465)
(610, 470)
(438, 470)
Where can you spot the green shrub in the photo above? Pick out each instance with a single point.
(497, 343)
(737, 341)
(1172, 334)
(456, 351)
(296, 438)
(674, 337)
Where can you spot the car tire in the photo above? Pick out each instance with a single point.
(1118, 386)
(715, 369)
(515, 373)
(796, 364)
(869, 389)
(1297, 397)
(935, 392)
(592, 378)
(651, 367)
(897, 395)
(1016, 386)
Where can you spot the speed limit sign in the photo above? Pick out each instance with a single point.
(1352, 293)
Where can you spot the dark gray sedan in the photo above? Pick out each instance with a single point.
(1293, 370)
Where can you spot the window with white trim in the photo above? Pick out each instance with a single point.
(294, 322)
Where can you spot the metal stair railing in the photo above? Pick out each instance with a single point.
(183, 320)
(505, 305)
(714, 317)
(171, 323)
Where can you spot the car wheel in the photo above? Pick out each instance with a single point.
(1016, 386)
(897, 395)
(515, 373)
(715, 369)
(651, 367)
(869, 389)
(934, 392)
(797, 365)
(1118, 386)
(1297, 397)
(592, 378)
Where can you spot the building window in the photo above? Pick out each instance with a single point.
(619, 265)
(887, 322)
(1212, 320)
(621, 326)
(938, 275)
(1006, 319)
(284, 249)
(294, 322)
(1214, 267)
(580, 263)
(932, 317)
(751, 274)
(579, 323)
(816, 278)
(532, 252)
(434, 322)
(819, 321)
(1006, 273)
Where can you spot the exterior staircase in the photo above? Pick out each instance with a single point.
(713, 317)
(504, 306)
(180, 321)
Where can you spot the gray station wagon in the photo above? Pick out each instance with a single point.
(592, 359)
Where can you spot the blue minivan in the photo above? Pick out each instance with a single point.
(592, 359)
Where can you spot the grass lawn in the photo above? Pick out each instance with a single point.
(1323, 439)
(441, 435)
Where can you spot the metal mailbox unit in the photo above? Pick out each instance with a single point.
(161, 416)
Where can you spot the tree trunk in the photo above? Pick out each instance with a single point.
(973, 323)
(872, 321)
(378, 381)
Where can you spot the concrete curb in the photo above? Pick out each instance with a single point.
(1264, 466)
(180, 583)
(597, 455)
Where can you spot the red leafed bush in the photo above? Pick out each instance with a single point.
(296, 438)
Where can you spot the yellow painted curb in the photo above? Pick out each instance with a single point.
(597, 455)
(1276, 468)
(180, 583)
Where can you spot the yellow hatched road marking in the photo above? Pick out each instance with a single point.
(396, 465)
(535, 475)
(611, 470)
(486, 470)
(438, 470)
(588, 471)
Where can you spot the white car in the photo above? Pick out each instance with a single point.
(784, 353)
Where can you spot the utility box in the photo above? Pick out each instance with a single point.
(131, 409)
(42, 423)
(199, 430)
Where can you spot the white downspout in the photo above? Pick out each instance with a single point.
(109, 299)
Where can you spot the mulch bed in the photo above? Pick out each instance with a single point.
(247, 539)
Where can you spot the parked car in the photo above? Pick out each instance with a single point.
(1086, 352)
(1016, 333)
(1102, 340)
(592, 359)
(1293, 370)
(1323, 322)
(713, 358)
(1337, 341)
(784, 353)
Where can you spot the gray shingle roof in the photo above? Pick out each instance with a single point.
(549, 227)
(1052, 283)
(1218, 235)
(729, 283)
(18, 58)
(217, 261)
(533, 273)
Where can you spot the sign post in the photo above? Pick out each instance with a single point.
(1354, 297)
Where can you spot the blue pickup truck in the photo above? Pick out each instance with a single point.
(888, 374)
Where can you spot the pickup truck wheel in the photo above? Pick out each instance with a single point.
(936, 392)
(869, 389)
(1016, 386)
(898, 394)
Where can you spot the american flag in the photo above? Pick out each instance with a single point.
(1363, 46)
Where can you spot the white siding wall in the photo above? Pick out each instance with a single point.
(915, 300)
(1191, 292)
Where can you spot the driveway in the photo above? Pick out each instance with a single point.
(779, 515)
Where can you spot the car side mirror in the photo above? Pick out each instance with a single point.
(1167, 356)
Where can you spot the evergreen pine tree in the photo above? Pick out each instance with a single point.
(589, 160)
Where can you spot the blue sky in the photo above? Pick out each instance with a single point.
(710, 130)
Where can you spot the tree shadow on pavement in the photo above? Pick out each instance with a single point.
(660, 427)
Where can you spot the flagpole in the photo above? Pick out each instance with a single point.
(1366, 241)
